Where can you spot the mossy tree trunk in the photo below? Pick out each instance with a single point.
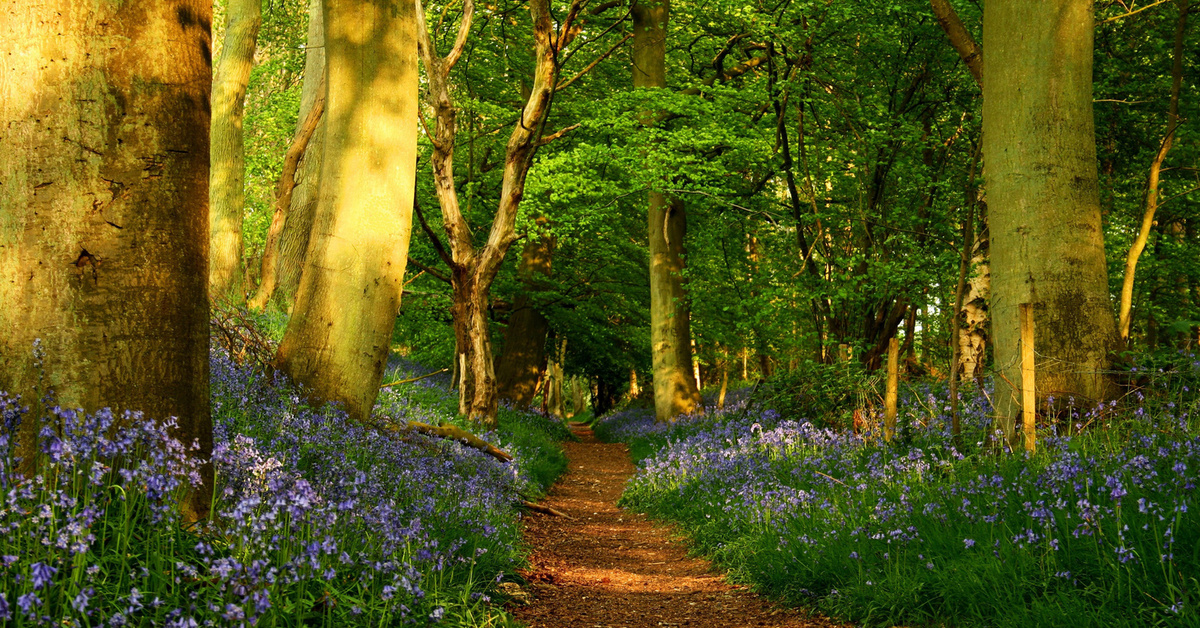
(524, 354)
(338, 337)
(227, 179)
(104, 212)
(675, 390)
(1047, 245)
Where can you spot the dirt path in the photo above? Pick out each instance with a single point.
(610, 568)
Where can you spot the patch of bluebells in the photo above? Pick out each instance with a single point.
(1095, 523)
(317, 518)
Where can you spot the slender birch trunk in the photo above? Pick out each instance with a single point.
(1125, 309)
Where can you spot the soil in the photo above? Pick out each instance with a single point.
(607, 567)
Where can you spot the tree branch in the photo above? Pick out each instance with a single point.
(437, 243)
(594, 63)
(960, 38)
(436, 274)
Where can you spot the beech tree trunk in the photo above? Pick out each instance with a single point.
(524, 353)
(293, 238)
(227, 180)
(104, 229)
(1043, 201)
(675, 390)
(338, 337)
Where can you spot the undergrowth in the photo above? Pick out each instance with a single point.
(1097, 528)
(318, 521)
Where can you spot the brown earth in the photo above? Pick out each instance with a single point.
(610, 568)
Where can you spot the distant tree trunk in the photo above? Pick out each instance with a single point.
(227, 181)
(1043, 200)
(293, 239)
(473, 270)
(675, 390)
(554, 379)
(524, 352)
(578, 398)
(337, 340)
(104, 235)
(1143, 236)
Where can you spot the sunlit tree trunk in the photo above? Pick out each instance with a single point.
(104, 211)
(473, 269)
(302, 207)
(283, 199)
(227, 180)
(1143, 236)
(1043, 201)
(675, 390)
(338, 337)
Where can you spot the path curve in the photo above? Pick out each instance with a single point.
(613, 568)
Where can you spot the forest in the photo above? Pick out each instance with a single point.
(599, 312)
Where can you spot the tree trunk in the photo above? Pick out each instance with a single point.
(524, 352)
(283, 201)
(227, 181)
(474, 270)
(293, 239)
(1139, 243)
(1043, 200)
(973, 317)
(675, 391)
(337, 340)
(960, 38)
(104, 236)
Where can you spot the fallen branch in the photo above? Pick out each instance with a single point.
(411, 380)
(545, 510)
(452, 432)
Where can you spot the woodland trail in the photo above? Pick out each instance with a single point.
(610, 568)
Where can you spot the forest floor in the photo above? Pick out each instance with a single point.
(611, 568)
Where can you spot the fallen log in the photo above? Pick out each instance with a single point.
(450, 432)
(545, 510)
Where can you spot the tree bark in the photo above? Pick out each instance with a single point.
(1143, 236)
(293, 239)
(283, 202)
(227, 180)
(1043, 200)
(337, 340)
(473, 270)
(524, 353)
(675, 390)
(104, 236)
(960, 38)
